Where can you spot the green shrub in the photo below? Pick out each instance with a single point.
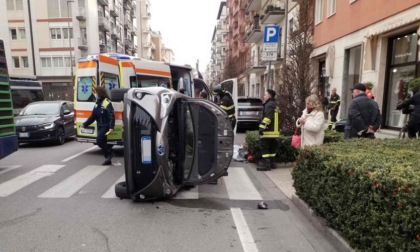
(367, 189)
(285, 152)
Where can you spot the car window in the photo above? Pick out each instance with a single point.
(84, 89)
(250, 102)
(189, 143)
(41, 109)
(110, 82)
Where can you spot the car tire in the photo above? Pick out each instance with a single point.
(121, 190)
(60, 137)
(117, 95)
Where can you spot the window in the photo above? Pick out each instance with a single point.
(84, 89)
(22, 33)
(46, 62)
(16, 63)
(331, 7)
(67, 61)
(19, 5)
(58, 62)
(13, 33)
(352, 1)
(318, 11)
(66, 33)
(58, 8)
(55, 33)
(10, 5)
(25, 62)
(110, 82)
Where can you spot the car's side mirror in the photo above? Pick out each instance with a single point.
(66, 112)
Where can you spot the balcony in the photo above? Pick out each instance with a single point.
(120, 48)
(134, 31)
(115, 33)
(253, 5)
(147, 15)
(115, 11)
(254, 66)
(82, 44)
(273, 14)
(103, 2)
(253, 33)
(128, 43)
(127, 4)
(133, 13)
(81, 14)
(128, 23)
(104, 24)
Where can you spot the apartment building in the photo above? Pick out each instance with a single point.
(373, 41)
(144, 38)
(218, 48)
(44, 38)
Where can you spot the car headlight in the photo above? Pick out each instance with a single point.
(47, 126)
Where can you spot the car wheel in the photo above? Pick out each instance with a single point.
(121, 190)
(60, 136)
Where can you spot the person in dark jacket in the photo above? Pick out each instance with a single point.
(333, 106)
(103, 114)
(226, 103)
(364, 117)
(269, 132)
(414, 122)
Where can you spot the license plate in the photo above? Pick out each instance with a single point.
(87, 131)
(23, 134)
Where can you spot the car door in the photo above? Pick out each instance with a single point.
(67, 119)
(206, 141)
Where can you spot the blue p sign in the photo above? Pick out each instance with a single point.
(271, 34)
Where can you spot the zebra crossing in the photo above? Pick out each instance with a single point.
(238, 185)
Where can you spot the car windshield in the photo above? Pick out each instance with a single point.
(41, 109)
(250, 102)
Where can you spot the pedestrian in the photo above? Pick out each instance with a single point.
(269, 132)
(364, 117)
(103, 114)
(311, 123)
(226, 103)
(413, 125)
(333, 106)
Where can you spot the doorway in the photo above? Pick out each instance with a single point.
(351, 76)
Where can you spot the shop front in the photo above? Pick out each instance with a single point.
(403, 65)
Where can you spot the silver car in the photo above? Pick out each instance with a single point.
(170, 141)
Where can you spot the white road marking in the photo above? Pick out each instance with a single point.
(28, 178)
(74, 183)
(187, 194)
(8, 168)
(78, 154)
(247, 241)
(111, 191)
(239, 186)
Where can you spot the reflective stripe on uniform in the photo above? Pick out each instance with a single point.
(233, 115)
(262, 126)
(266, 120)
(333, 102)
(227, 108)
(105, 103)
(275, 133)
(268, 155)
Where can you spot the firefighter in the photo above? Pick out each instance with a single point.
(333, 106)
(226, 103)
(269, 132)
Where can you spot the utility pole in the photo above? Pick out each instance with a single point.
(68, 31)
(286, 22)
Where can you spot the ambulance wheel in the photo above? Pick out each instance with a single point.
(117, 95)
(121, 190)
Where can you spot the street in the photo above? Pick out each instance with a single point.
(59, 198)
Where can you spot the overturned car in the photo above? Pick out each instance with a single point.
(170, 141)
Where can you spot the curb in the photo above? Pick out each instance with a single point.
(321, 225)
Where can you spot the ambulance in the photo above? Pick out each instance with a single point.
(116, 71)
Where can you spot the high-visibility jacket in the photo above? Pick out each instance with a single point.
(334, 102)
(103, 113)
(228, 105)
(270, 120)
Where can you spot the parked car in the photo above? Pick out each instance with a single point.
(250, 110)
(45, 121)
(170, 141)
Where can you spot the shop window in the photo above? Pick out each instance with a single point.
(404, 49)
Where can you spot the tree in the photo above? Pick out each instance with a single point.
(298, 77)
(230, 68)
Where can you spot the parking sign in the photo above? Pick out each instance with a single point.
(271, 34)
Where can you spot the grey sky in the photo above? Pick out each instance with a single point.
(187, 28)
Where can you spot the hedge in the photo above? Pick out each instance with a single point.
(369, 190)
(285, 153)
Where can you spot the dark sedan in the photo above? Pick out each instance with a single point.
(45, 121)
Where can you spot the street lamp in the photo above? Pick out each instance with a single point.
(68, 31)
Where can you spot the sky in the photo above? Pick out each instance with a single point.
(186, 27)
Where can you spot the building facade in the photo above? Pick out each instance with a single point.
(379, 43)
(44, 38)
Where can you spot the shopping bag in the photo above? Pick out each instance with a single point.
(296, 140)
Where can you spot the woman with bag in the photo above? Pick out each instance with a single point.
(312, 122)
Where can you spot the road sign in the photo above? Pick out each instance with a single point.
(271, 34)
(269, 56)
(270, 47)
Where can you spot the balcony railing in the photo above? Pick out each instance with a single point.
(103, 2)
(253, 5)
(253, 32)
(115, 11)
(82, 44)
(274, 12)
(81, 14)
(115, 34)
(127, 4)
(104, 24)
(128, 22)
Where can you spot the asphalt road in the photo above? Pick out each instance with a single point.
(59, 198)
